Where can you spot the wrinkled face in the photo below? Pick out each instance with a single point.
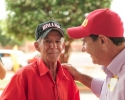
(94, 48)
(51, 46)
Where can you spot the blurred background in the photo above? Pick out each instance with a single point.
(18, 21)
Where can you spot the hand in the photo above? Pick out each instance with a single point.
(72, 70)
(85, 79)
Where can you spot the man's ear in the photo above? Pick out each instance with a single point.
(103, 39)
(36, 45)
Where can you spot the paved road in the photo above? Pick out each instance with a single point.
(87, 96)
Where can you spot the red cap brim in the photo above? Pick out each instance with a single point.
(77, 32)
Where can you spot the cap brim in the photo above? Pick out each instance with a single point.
(77, 32)
(46, 32)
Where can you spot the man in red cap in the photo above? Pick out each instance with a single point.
(103, 38)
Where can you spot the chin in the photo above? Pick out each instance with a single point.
(94, 61)
(53, 60)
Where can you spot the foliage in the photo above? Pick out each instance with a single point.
(25, 15)
(6, 40)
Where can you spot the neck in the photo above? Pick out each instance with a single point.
(114, 51)
(52, 66)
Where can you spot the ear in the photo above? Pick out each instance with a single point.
(36, 45)
(103, 39)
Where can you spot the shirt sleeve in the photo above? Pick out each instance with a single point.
(14, 90)
(96, 86)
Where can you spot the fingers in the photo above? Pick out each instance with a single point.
(66, 64)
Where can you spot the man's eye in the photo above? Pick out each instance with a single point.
(58, 41)
(47, 41)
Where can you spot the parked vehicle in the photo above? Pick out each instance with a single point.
(33, 56)
(13, 59)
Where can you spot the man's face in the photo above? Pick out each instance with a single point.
(94, 49)
(51, 46)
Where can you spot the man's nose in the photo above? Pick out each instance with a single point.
(53, 45)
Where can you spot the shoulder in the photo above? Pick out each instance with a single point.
(26, 70)
(68, 75)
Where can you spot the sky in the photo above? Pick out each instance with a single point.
(2, 9)
(119, 7)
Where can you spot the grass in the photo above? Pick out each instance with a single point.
(3, 84)
(82, 87)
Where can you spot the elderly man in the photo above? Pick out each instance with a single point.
(44, 79)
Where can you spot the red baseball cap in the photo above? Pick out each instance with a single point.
(100, 21)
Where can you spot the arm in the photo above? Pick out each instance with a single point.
(2, 71)
(94, 84)
(86, 80)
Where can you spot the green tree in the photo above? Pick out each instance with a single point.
(6, 40)
(25, 15)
